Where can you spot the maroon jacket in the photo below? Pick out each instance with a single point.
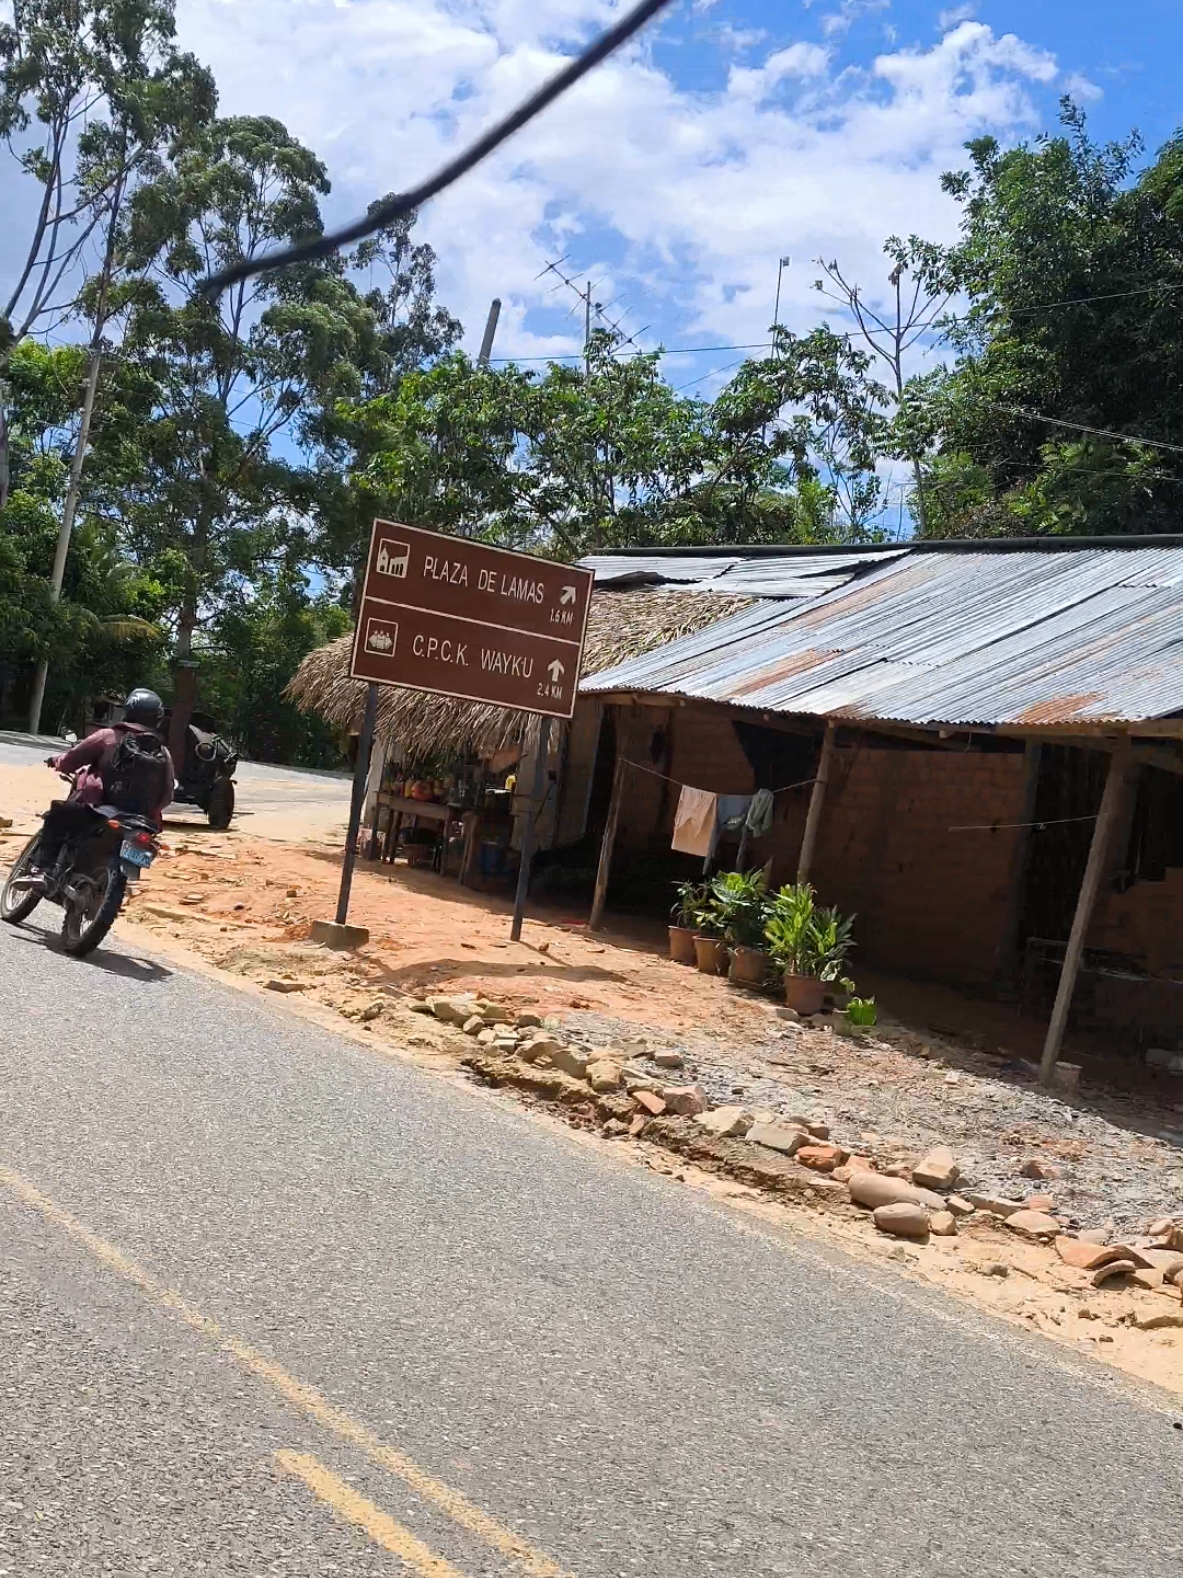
(97, 750)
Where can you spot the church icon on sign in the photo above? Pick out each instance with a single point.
(381, 637)
(393, 558)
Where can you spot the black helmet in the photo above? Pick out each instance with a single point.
(145, 708)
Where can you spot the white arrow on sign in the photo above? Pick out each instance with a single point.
(556, 671)
(568, 595)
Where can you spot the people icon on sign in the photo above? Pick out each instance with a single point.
(393, 558)
(381, 638)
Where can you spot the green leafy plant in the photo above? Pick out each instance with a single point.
(738, 901)
(805, 938)
(688, 900)
(862, 1011)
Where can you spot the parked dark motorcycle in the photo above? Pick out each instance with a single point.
(89, 876)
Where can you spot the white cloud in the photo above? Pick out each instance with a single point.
(797, 61)
(738, 39)
(948, 20)
(835, 23)
(1081, 90)
(685, 197)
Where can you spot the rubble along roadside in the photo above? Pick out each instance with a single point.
(654, 1095)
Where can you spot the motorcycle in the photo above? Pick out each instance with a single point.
(89, 877)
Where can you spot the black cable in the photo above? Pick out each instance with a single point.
(384, 213)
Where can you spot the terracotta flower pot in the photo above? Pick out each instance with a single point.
(805, 993)
(682, 944)
(749, 966)
(710, 955)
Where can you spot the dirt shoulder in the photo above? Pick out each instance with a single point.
(241, 907)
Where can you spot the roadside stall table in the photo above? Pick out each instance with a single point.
(401, 806)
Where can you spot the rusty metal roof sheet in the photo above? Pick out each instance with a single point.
(1095, 635)
(791, 575)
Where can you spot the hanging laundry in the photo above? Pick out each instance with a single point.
(733, 808)
(760, 813)
(695, 822)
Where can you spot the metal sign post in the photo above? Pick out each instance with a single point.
(467, 620)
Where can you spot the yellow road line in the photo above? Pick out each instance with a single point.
(380, 1526)
(302, 1396)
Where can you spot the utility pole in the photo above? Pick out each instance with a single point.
(780, 271)
(587, 306)
(490, 330)
(69, 510)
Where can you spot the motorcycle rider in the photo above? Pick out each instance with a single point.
(129, 767)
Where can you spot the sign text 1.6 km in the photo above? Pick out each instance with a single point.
(463, 619)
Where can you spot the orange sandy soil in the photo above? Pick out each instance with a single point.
(428, 932)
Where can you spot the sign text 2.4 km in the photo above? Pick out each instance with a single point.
(464, 619)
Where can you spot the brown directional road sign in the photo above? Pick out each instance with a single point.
(463, 619)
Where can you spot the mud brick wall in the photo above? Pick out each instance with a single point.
(707, 753)
(1146, 923)
(930, 903)
(702, 750)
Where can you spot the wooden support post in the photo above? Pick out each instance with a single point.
(533, 812)
(373, 784)
(603, 870)
(471, 822)
(1008, 949)
(1094, 875)
(816, 800)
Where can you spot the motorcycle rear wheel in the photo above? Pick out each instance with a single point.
(85, 926)
(16, 907)
(220, 805)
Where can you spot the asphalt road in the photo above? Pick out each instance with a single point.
(272, 802)
(227, 1234)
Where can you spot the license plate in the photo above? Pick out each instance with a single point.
(136, 856)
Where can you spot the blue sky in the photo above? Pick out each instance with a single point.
(736, 132)
(739, 131)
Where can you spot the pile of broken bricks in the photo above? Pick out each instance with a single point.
(637, 1097)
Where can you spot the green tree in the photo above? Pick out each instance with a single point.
(411, 331)
(104, 634)
(582, 460)
(253, 647)
(1067, 355)
(233, 388)
(88, 91)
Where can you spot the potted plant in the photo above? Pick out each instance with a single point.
(809, 943)
(740, 899)
(688, 899)
(710, 949)
(858, 1017)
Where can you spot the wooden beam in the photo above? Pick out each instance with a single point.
(596, 919)
(1094, 875)
(1008, 951)
(816, 799)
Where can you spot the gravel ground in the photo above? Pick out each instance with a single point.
(895, 1095)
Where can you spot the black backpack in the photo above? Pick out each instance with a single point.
(137, 778)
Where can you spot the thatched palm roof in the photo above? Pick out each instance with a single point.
(620, 625)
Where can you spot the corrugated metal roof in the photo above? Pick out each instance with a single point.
(1095, 635)
(793, 575)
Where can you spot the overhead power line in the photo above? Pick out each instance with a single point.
(383, 214)
(1079, 427)
(669, 350)
(1080, 301)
